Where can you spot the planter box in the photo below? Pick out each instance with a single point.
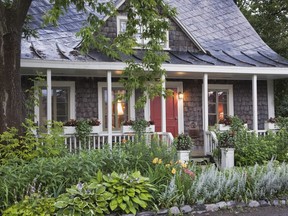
(227, 158)
(150, 129)
(183, 155)
(223, 127)
(127, 129)
(69, 129)
(271, 126)
(96, 129)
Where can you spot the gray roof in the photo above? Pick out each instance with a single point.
(217, 25)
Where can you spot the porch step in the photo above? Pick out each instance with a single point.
(201, 160)
(197, 151)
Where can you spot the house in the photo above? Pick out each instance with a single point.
(218, 66)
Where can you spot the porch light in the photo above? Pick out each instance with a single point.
(180, 95)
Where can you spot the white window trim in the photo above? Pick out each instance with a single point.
(72, 105)
(121, 17)
(179, 87)
(228, 87)
(101, 85)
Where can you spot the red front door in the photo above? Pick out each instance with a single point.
(171, 113)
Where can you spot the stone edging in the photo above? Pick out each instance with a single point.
(203, 208)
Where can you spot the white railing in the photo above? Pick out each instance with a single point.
(211, 142)
(97, 141)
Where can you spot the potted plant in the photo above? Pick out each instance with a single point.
(226, 140)
(183, 144)
(69, 127)
(95, 123)
(224, 123)
(271, 124)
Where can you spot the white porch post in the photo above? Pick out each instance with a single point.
(109, 105)
(255, 104)
(163, 105)
(205, 116)
(49, 99)
(270, 98)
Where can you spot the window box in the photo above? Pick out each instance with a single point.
(223, 127)
(127, 129)
(96, 129)
(69, 129)
(150, 129)
(271, 126)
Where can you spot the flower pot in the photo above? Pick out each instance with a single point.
(223, 127)
(95, 129)
(127, 129)
(150, 129)
(227, 158)
(271, 126)
(69, 129)
(183, 155)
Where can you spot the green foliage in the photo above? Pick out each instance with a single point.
(84, 199)
(104, 193)
(29, 146)
(32, 206)
(183, 142)
(83, 130)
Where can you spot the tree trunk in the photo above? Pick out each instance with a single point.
(11, 23)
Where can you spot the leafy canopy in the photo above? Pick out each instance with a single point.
(151, 15)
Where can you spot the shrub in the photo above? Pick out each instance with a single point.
(32, 205)
(183, 142)
(28, 146)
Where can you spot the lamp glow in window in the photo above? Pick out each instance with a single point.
(120, 110)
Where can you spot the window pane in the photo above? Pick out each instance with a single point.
(212, 108)
(60, 105)
(123, 24)
(222, 110)
(212, 96)
(212, 120)
(222, 96)
(119, 108)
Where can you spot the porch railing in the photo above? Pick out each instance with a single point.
(98, 141)
(211, 142)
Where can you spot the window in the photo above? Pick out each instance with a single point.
(220, 102)
(121, 28)
(63, 103)
(119, 108)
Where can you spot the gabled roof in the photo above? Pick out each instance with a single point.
(217, 26)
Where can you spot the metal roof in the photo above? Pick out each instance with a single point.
(217, 25)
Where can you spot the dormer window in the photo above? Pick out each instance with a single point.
(121, 28)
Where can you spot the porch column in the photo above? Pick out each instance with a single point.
(49, 99)
(205, 116)
(270, 98)
(109, 105)
(255, 104)
(163, 105)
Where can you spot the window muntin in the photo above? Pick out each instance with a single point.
(120, 108)
(218, 104)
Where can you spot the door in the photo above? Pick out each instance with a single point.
(171, 113)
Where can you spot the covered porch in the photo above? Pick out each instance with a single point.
(175, 73)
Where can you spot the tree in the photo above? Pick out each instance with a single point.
(270, 19)
(149, 14)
